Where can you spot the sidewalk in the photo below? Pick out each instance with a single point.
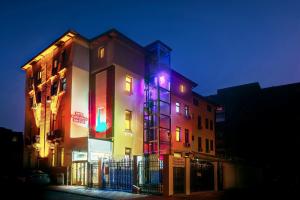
(114, 195)
(92, 192)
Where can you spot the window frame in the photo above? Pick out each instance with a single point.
(178, 134)
(177, 107)
(101, 52)
(129, 128)
(128, 83)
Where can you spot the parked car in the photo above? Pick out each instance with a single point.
(34, 177)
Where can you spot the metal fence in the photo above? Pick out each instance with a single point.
(117, 175)
(150, 176)
(202, 176)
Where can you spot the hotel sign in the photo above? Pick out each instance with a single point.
(79, 117)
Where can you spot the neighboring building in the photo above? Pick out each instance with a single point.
(260, 125)
(11, 144)
(109, 97)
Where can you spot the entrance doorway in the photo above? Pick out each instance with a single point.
(79, 173)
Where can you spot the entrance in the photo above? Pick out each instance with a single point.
(79, 173)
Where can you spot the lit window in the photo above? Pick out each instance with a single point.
(128, 84)
(128, 116)
(182, 88)
(178, 130)
(127, 152)
(101, 52)
(39, 77)
(177, 107)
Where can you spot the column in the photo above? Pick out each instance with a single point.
(168, 185)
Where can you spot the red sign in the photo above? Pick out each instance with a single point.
(79, 117)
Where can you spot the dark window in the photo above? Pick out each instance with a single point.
(39, 97)
(195, 102)
(199, 144)
(31, 102)
(30, 83)
(54, 88)
(192, 138)
(199, 122)
(209, 109)
(63, 84)
(186, 136)
(206, 145)
(211, 125)
(64, 58)
(211, 145)
(54, 66)
(206, 123)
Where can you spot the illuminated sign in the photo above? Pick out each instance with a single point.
(78, 156)
(79, 117)
(101, 120)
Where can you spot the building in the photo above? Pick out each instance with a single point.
(260, 125)
(111, 98)
(11, 143)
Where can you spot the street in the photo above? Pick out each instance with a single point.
(54, 195)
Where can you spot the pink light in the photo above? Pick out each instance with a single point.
(162, 80)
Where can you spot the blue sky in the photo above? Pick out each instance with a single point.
(215, 43)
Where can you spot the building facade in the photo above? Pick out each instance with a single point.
(110, 98)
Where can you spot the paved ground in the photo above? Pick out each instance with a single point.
(104, 194)
(114, 195)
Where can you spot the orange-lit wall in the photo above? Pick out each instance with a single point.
(204, 133)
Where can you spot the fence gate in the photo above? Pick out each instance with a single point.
(202, 176)
(117, 175)
(150, 175)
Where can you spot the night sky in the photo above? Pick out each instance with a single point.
(215, 43)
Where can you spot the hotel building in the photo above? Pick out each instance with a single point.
(110, 98)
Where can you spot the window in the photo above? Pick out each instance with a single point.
(54, 87)
(195, 102)
(31, 102)
(39, 77)
(206, 145)
(193, 138)
(211, 125)
(186, 111)
(128, 84)
(128, 116)
(30, 83)
(63, 84)
(199, 144)
(39, 97)
(54, 67)
(186, 136)
(182, 88)
(211, 145)
(64, 58)
(178, 130)
(101, 52)
(206, 123)
(199, 122)
(127, 152)
(209, 109)
(177, 107)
